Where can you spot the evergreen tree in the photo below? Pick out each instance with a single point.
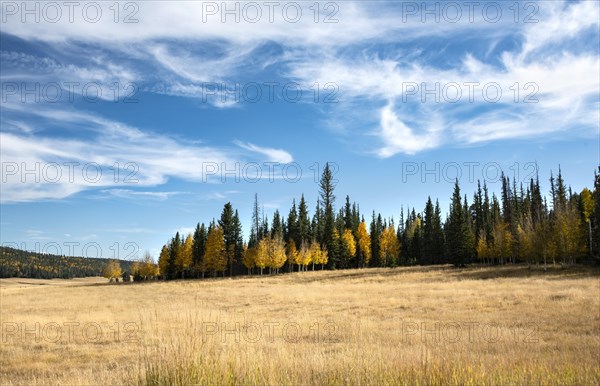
(238, 238)
(595, 223)
(375, 231)
(438, 235)
(174, 251)
(264, 228)
(428, 241)
(255, 227)
(277, 227)
(457, 230)
(487, 215)
(303, 223)
(293, 232)
(479, 226)
(469, 238)
(226, 223)
(198, 248)
(327, 187)
(348, 220)
(317, 223)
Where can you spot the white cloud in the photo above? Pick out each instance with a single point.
(559, 20)
(188, 20)
(565, 84)
(399, 138)
(337, 52)
(135, 194)
(273, 155)
(59, 82)
(144, 158)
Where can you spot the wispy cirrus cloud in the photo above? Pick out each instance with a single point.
(545, 86)
(67, 165)
(273, 155)
(369, 52)
(136, 194)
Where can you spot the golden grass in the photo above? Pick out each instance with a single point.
(419, 325)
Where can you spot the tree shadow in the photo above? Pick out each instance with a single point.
(553, 272)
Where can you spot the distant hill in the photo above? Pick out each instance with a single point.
(19, 263)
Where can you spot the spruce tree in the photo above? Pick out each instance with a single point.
(255, 226)
(292, 231)
(303, 223)
(596, 215)
(174, 251)
(238, 237)
(199, 248)
(229, 235)
(327, 187)
(428, 251)
(348, 223)
(438, 235)
(276, 227)
(456, 230)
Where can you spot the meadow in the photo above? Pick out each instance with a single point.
(411, 325)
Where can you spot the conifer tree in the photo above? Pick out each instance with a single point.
(256, 224)
(428, 242)
(198, 248)
(303, 223)
(326, 188)
(457, 230)
(293, 233)
(174, 252)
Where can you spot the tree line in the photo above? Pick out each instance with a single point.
(519, 225)
(35, 265)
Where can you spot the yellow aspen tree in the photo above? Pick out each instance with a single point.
(364, 243)
(315, 251)
(389, 247)
(248, 258)
(292, 253)
(136, 270)
(482, 249)
(163, 259)
(307, 258)
(184, 258)
(214, 256)
(323, 257)
(304, 256)
(113, 270)
(277, 253)
(262, 254)
(348, 247)
(587, 209)
(148, 268)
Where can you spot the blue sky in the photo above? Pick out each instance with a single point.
(195, 108)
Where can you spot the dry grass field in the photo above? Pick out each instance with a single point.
(419, 325)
